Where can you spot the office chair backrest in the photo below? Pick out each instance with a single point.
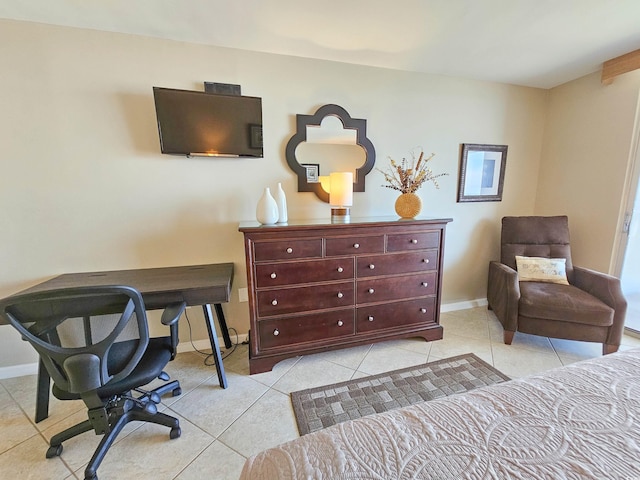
(74, 331)
(536, 237)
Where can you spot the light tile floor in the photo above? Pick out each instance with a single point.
(220, 428)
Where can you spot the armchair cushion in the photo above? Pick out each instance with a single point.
(536, 237)
(565, 303)
(540, 269)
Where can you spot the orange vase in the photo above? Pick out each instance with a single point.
(408, 205)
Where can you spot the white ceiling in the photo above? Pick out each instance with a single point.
(538, 43)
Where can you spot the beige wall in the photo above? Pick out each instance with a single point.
(83, 186)
(587, 151)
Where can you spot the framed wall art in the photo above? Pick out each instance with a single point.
(481, 172)
(313, 172)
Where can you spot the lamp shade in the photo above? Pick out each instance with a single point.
(341, 190)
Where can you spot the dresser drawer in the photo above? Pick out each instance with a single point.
(280, 301)
(398, 263)
(288, 249)
(279, 332)
(395, 288)
(309, 271)
(354, 245)
(413, 241)
(395, 315)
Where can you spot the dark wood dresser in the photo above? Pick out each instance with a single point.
(316, 285)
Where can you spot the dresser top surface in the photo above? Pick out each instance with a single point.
(355, 221)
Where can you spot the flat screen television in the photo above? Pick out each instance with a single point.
(207, 124)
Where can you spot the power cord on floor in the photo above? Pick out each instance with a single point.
(208, 357)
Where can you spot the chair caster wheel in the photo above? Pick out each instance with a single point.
(54, 451)
(176, 392)
(175, 433)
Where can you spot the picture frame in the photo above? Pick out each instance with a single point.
(313, 172)
(482, 170)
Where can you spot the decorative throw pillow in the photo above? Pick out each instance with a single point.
(539, 269)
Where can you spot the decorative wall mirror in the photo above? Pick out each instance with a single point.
(329, 141)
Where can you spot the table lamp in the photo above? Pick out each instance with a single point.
(340, 196)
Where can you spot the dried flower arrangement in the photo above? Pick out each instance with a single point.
(409, 176)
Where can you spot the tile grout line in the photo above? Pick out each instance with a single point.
(269, 388)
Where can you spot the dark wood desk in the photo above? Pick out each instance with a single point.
(196, 285)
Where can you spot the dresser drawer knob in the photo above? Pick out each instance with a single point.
(425, 284)
(274, 302)
(371, 290)
(340, 269)
(371, 266)
(423, 310)
(340, 323)
(289, 250)
(356, 245)
(414, 241)
(426, 260)
(340, 295)
(276, 332)
(273, 275)
(370, 318)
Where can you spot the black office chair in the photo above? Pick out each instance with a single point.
(94, 343)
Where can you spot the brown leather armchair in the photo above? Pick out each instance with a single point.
(591, 308)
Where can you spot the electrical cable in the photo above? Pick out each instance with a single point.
(208, 357)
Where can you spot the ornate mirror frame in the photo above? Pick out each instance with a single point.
(357, 124)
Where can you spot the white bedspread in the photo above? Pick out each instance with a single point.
(581, 421)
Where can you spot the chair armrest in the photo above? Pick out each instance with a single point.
(606, 288)
(172, 313)
(503, 294)
(170, 317)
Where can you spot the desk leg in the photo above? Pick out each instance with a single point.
(223, 325)
(215, 346)
(42, 393)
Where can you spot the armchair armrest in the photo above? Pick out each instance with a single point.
(503, 294)
(170, 317)
(607, 289)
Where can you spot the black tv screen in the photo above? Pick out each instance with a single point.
(206, 124)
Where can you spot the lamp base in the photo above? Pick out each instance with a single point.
(340, 215)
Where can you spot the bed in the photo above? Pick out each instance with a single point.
(581, 421)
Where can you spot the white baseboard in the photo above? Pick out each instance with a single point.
(32, 368)
(19, 370)
(204, 344)
(452, 307)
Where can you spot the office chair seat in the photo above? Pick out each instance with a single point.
(159, 350)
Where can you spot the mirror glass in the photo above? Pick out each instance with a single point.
(329, 141)
(332, 148)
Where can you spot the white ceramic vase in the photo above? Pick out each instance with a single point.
(281, 201)
(267, 209)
